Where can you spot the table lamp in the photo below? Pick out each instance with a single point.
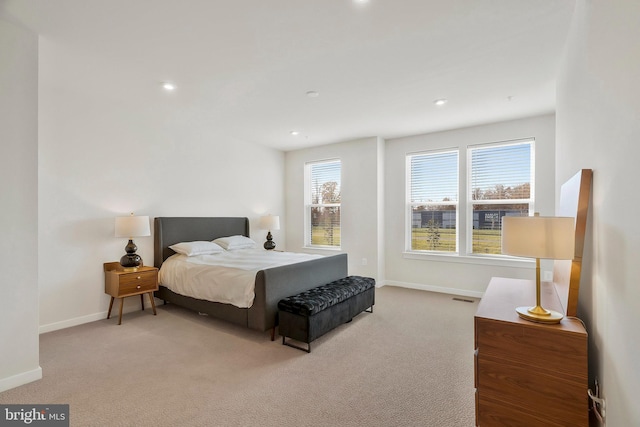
(540, 238)
(270, 222)
(130, 227)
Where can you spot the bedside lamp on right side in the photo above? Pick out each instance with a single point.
(538, 237)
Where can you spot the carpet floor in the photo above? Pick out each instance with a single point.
(409, 363)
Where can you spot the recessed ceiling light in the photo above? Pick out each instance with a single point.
(440, 102)
(313, 94)
(294, 133)
(361, 1)
(168, 86)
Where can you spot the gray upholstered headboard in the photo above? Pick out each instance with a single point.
(171, 230)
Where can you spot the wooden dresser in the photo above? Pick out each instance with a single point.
(526, 373)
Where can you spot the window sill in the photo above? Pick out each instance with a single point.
(471, 259)
(322, 248)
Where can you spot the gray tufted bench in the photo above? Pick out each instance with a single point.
(311, 314)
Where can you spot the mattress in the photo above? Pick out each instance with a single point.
(227, 277)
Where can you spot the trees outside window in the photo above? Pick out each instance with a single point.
(433, 201)
(323, 198)
(502, 176)
(500, 182)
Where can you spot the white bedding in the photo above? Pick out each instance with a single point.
(227, 277)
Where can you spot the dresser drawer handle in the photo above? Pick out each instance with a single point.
(138, 287)
(138, 277)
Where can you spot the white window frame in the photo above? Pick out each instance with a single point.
(410, 205)
(308, 205)
(464, 211)
(470, 202)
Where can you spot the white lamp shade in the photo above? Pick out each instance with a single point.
(270, 222)
(132, 226)
(538, 237)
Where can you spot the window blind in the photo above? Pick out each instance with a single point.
(323, 211)
(434, 177)
(325, 182)
(433, 200)
(501, 184)
(501, 172)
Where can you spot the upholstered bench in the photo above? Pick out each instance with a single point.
(311, 314)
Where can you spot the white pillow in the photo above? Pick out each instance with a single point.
(235, 242)
(196, 248)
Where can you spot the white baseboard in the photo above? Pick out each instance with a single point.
(129, 307)
(431, 288)
(72, 322)
(20, 379)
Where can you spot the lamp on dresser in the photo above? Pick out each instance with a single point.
(130, 227)
(540, 238)
(270, 222)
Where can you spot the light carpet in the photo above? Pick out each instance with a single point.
(409, 363)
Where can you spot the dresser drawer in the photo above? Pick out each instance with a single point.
(491, 413)
(545, 349)
(141, 281)
(561, 398)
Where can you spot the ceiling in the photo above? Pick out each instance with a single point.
(244, 67)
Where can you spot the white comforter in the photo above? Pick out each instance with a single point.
(227, 277)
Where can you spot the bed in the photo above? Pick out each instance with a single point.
(271, 284)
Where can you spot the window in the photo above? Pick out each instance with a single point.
(322, 204)
(497, 180)
(500, 183)
(433, 201)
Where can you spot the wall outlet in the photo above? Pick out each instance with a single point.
(547, 276)
(364, 261)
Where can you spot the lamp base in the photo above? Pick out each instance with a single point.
(130, 262)
(269, 244)
(539, 314)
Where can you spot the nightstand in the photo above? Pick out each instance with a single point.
(121, 284)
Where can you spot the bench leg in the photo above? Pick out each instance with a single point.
(308, 349)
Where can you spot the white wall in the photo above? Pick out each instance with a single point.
(373, 206)
(360, 190)
(104, 153)
(598, 127)
(19, 358)
(464, 276)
